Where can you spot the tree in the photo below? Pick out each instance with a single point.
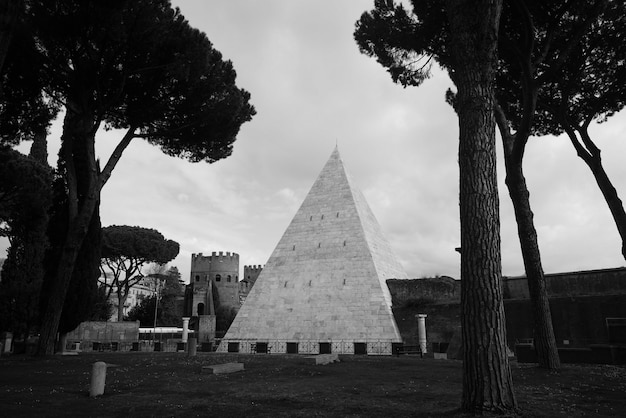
(132, 65)
(470, 57)
(535, 40)
(102, 307)
(25, 196)
(487, 382)
(125, 251)
(590, 88)
(82, 295)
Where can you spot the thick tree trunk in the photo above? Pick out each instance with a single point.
(545, 342)
(63, 275)
(487, 383)
(79, 165)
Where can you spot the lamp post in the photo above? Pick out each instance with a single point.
(157, 289)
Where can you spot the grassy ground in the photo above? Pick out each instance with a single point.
(172, 384)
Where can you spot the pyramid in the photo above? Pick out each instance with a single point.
(324, 287)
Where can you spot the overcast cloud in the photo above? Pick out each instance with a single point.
(312, 90)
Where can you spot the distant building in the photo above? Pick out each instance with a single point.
(142, 290)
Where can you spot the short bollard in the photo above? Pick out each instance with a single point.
(192, 347)
(98, 377)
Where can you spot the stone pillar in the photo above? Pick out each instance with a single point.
(7, 340)
(192, 347)
(421, 331)
(185, 329)
(206, 329)
(98, 378)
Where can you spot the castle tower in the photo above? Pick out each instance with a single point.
(222, 271)
(324, 287)
(250, 274)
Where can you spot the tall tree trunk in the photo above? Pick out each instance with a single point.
(545, 342)
(121, 301)
(612, 200)
(487, 383)
(54, 306)
(592, 156)
(84, 198)
(78, 162)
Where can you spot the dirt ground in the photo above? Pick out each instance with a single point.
(277, 385)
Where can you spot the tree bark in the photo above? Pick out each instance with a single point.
(487, 383)
(514, 147)
(544, 340)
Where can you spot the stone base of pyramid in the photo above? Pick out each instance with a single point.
(309, 347)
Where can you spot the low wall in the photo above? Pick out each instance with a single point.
(100, 331)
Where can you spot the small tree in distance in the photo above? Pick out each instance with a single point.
(125, 251)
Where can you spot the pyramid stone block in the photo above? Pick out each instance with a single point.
(325, 283)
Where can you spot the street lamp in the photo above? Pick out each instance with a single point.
(157, 296)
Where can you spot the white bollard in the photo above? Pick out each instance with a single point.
(98, 378)
(421, 331)
(185, 329)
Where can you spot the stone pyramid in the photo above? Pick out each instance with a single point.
(324, 287)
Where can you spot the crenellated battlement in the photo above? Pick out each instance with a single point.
(251, 273)
(215, 262)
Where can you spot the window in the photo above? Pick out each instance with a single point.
(228, 278)
(218, 277)
(261, 347)
(325, 348)
(233, 347)
(292, 348)
(360, 348)
(200, 308)
(197, 277)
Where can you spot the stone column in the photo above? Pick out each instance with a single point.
(421, 331)
(7, 339)
(185, 329)
(192, 347)
(98, 379)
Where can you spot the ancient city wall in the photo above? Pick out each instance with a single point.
(580, 303)
(435, 290)
(581, 283)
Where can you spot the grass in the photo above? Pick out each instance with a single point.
(172, 384)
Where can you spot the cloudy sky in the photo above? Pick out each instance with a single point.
(313, 90)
